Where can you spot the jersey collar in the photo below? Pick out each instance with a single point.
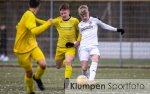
(68, 18)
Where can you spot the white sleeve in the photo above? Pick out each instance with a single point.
(106, 26)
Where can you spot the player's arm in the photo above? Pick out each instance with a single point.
(79, 37)
(54, 22)
(31, 25)
(40, 21)
(77, 43)
(108, 27)
(77, 28)
(105, 26)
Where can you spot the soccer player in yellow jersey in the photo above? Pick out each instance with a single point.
(26, 47)
(67, 27)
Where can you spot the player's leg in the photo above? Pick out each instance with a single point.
(25, 62)
(93, 67)
(68, 70)
(60, 57)
(84, 66)
(69, 57)
(64, 63)
(29, 82)
(84, 56)
(59, 63)
(95, 55)
(39, 57)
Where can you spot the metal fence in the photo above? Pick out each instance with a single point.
(133, 16)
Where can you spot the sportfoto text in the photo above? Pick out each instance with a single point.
(109, 86)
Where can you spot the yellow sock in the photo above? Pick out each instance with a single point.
(68, 72)
(29, 84)
(39, 72)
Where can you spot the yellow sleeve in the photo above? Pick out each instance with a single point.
(30, 21)
(40, 21)
(41, 28)
(76, 24)
(79, 37)
(31, 25)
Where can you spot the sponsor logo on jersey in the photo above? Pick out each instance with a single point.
(86, 27)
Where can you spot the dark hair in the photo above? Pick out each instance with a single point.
(64, 6)
(34, 3)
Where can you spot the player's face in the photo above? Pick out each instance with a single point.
(65, 14)
(85, 17)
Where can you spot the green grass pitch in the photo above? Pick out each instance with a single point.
(11, 78)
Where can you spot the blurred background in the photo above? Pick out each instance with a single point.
(133, 48)
(126, 56)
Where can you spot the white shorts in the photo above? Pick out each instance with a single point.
(86, 52)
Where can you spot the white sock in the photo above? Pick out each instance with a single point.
(93, 69)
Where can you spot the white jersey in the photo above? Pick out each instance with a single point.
(89, 29)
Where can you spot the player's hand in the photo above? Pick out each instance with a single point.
(121, 31)
(51, 20)
(69, 44)
(76, 43)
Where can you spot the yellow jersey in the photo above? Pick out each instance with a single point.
(26, 32)
(67, 30)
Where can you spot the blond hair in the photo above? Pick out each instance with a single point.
(83, 10)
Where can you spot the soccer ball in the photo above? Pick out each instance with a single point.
(82, 79)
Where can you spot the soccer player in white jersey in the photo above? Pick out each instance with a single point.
(88, 48)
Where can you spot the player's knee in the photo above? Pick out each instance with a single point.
(68, 63)
(42, 64)
(69, 60)
(29, 74)
(95, 58)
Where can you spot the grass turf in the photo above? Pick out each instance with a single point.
(102, 61)
(11, 78)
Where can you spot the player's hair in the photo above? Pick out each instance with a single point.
(64, 6)
(34, 3)
(83, 9)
